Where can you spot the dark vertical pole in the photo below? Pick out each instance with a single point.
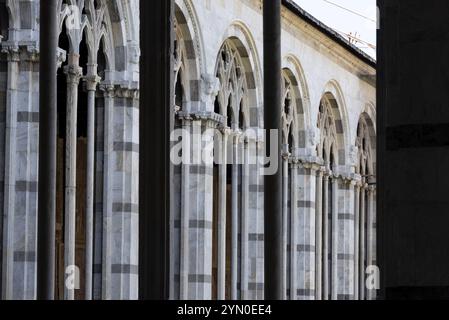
(413, 157)
(380, 148)
(272, 117)
(47, 150)
(156, 108)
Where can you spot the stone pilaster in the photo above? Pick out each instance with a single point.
(345, 238)
(294, 229)
(255, 222)
(192, 218)
(184, 214)
(107, 192)
(13, 59)
(177, 207)
(98, 195)
(19, 186)
(197, 215)
(306, 230)
(200, 222)
(124, 199)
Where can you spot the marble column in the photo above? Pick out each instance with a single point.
(319, 205)
(99, 191)
(108, 125)
(245, 220)
(334, 235)
(285, 212)
(294, 229)
(222, 184)
(362, 265)
(235, 216)
(370, 235)
(326, 238)
(74, 74)
(357, 241)
(92, 81)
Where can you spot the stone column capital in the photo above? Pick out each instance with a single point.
(243, 138)
(285, 155)
(225, 130)
(20, 50)
(74, 73)
(310, 164)
(108, 90)
(12, 51)
(91, 82)
(126, 92)
(364, 185)
(236, 134)
(295, 162)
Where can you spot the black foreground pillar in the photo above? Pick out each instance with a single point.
(413, 149)
(47, 150)
(156, 107)
(272, 119)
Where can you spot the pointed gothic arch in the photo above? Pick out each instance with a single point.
(331, 153)
(365, 202)
(240, 37)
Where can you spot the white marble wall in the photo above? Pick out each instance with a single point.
(318, 70)
(319, 65)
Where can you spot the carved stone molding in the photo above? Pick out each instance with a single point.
(17, 52)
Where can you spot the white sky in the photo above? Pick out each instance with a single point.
(344, 21)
